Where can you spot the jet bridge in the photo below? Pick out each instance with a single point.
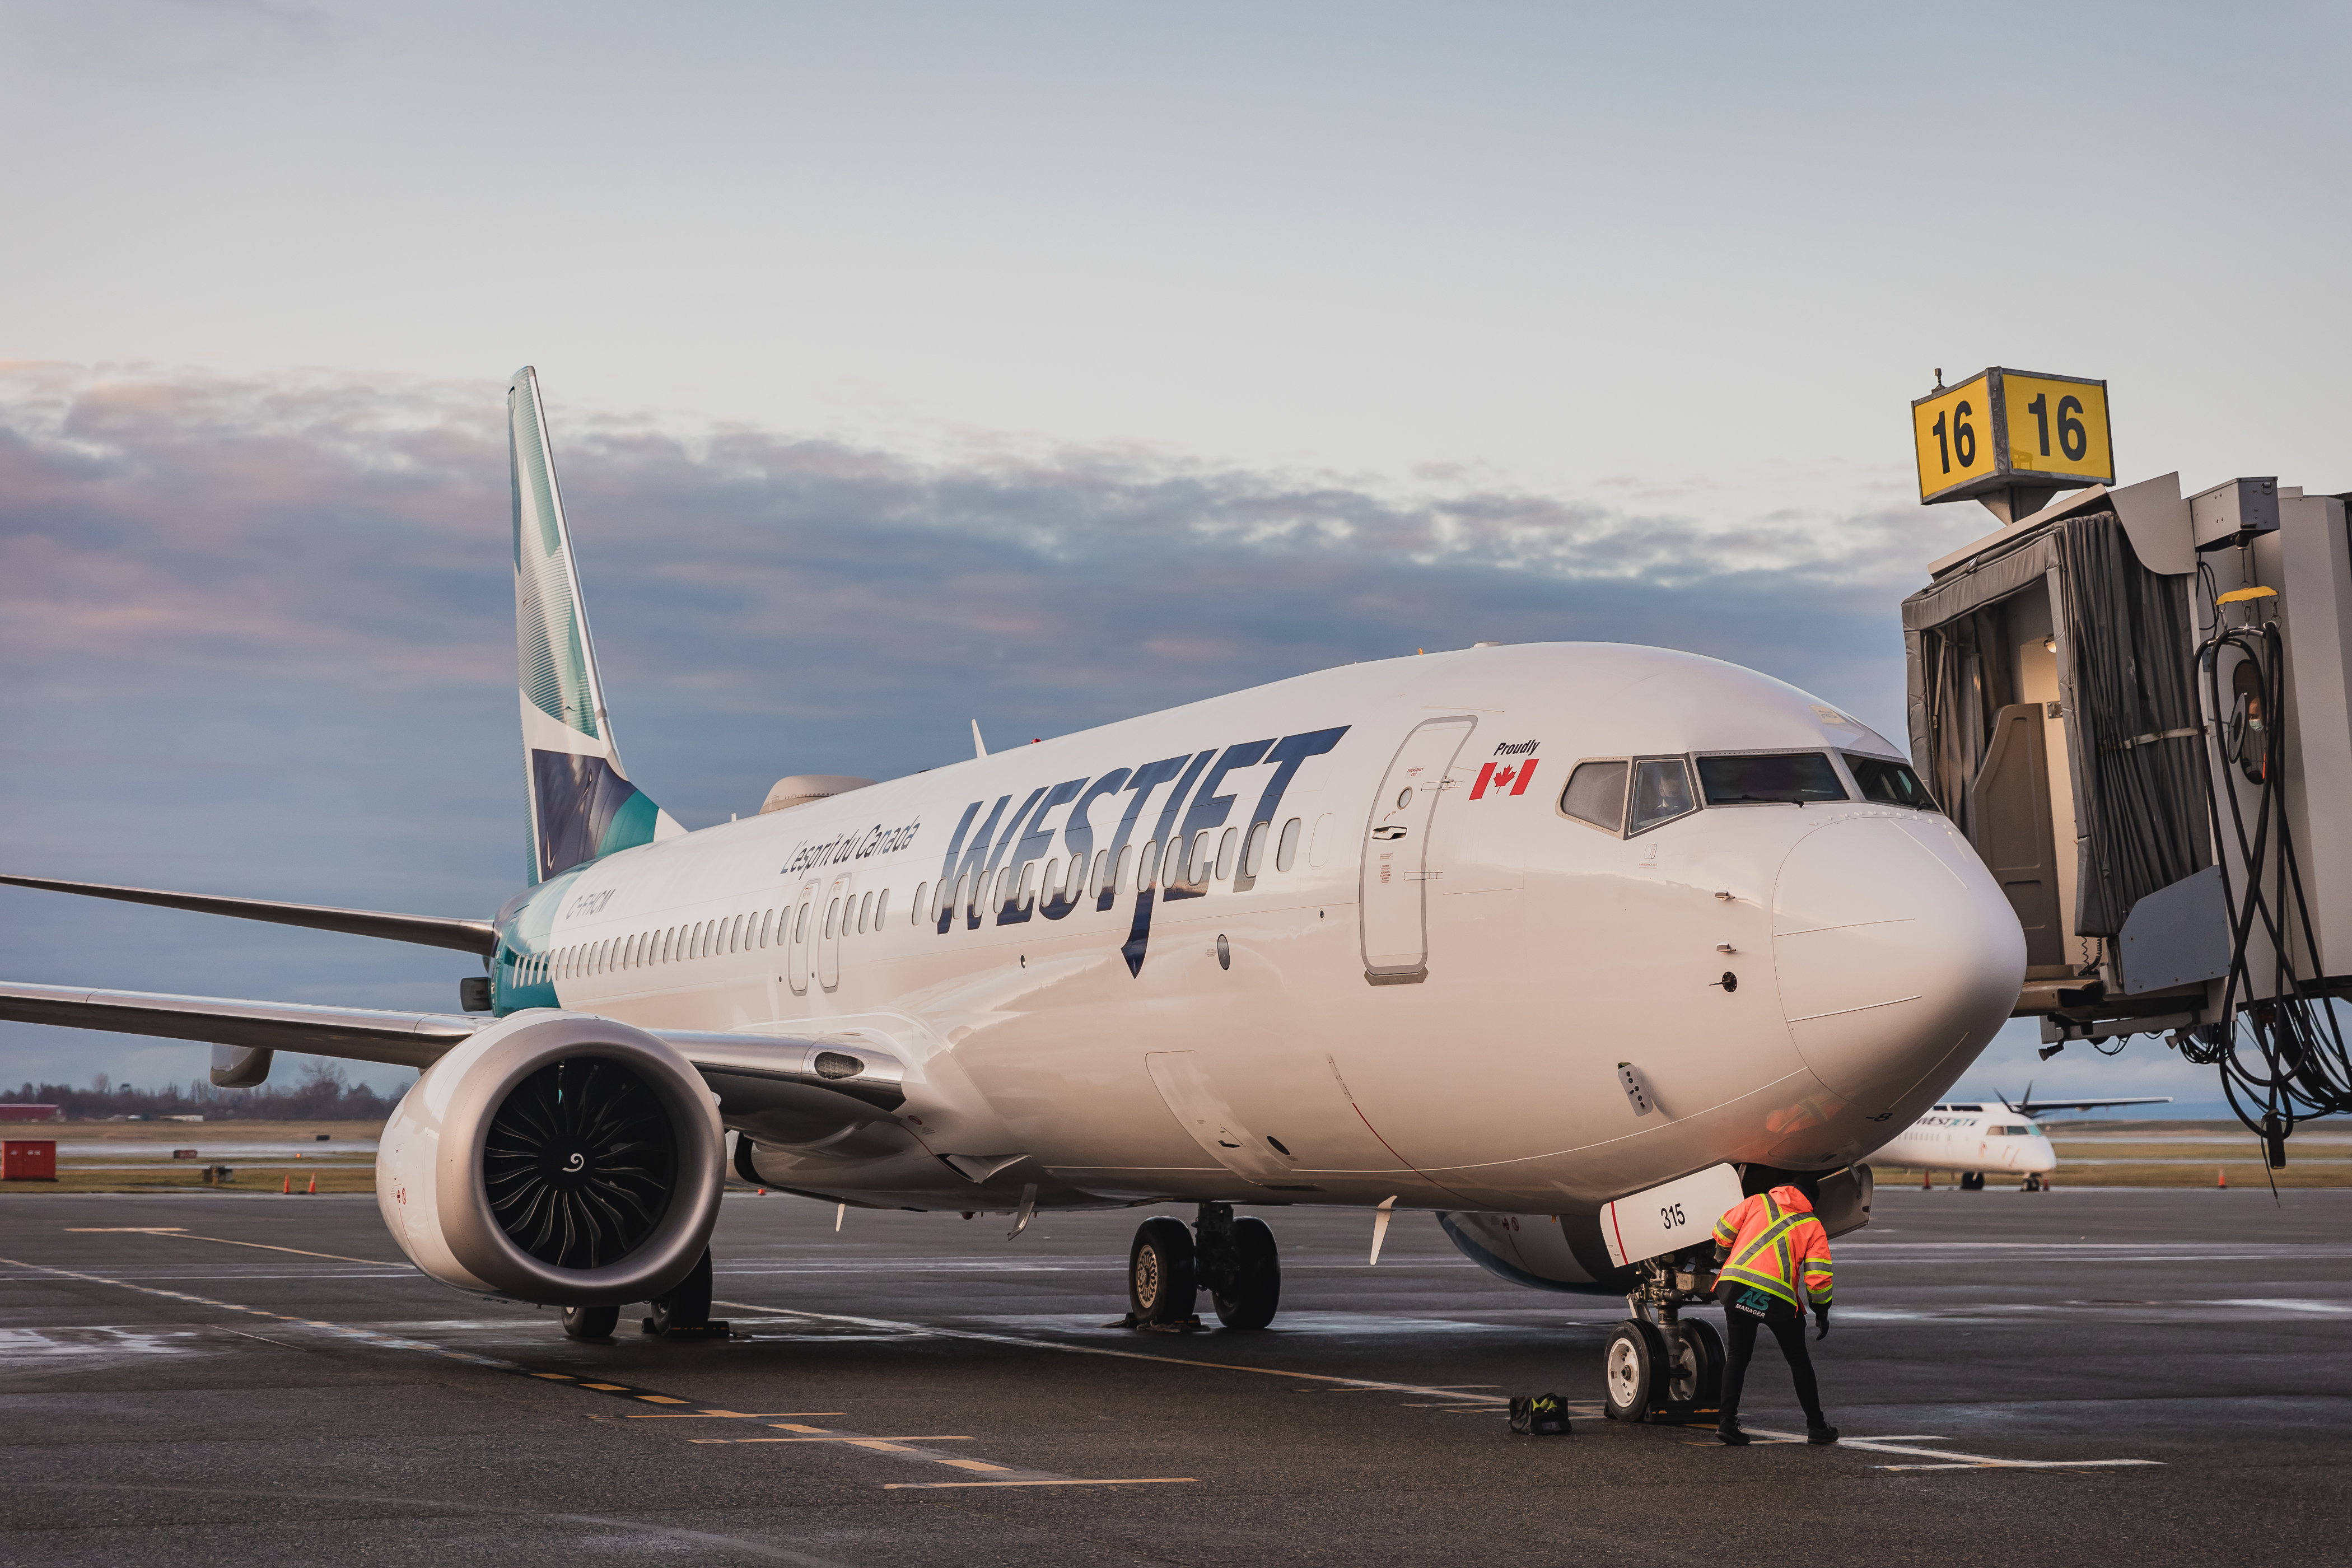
(2137, 705)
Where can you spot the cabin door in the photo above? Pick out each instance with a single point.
(1394, 902)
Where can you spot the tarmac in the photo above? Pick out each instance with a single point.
(2079, 1376)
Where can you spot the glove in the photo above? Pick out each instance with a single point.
(1821, 1324)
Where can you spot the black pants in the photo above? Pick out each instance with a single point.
(1788, 1327)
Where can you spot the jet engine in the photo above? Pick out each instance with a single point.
(554, 1158)
(1543, 1251)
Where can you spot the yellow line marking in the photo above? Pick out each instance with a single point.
(790, 1426)
(659, 1399)
(608, 1388)
(974, 1465)
(557, 1376)
(123, 1229)
(1115, 1481)
(176, 1233)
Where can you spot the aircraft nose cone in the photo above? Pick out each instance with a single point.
(1894, 947)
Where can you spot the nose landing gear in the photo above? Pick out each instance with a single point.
(1658, 1365)
(1233, 1260)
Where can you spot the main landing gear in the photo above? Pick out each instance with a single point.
(1658, 1365)
(1233, 1260)
(683, 1312)
(1971, 1181)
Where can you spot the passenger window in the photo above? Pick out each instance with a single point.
(864, 910)
(1254, 852)
(915, 910)
(800, 929)
(1172, 874)
(1888, 781)
(1052, 881)
(1227, 848)
(1286, 853)
(832, 916)
(1662, 792)
(1596, 794)
(1028, 884)
(1118, 873)
(1145, 864)
(1788, 778)
(881, 906)
(963, 898)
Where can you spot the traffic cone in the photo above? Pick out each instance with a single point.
(288, 1190)
(314, 1184)
(1927, 1180)
(2223, 1173)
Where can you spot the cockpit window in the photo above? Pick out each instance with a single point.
(1776, 779)
(1662, 792)
(1888, 781)
(1596, 794)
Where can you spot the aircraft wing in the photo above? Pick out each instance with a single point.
(2035, 1107)
(431, 930)
(747, 1069)
(355, 1034)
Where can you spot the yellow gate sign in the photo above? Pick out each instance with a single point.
(2004, 427)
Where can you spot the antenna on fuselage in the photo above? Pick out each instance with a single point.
(978, 746)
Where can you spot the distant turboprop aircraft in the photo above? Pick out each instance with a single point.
(1380, 936)
(1971, 1140)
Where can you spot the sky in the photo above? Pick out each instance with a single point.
(1044, 364)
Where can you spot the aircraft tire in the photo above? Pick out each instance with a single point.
(1973, 1181)
(592, 1325)
(1631, 1367)
(1162, 1277)
(686, 1304)
(1256, 1289)
(1706, 1348)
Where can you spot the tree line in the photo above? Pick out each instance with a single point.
(321, 1093)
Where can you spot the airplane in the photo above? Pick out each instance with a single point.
(1969, 1140)
(1382, 936)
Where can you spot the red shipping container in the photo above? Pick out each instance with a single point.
(28, 1160)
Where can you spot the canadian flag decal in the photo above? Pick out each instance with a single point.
(1513, 776)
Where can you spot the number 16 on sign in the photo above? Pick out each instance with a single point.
(2004, 427)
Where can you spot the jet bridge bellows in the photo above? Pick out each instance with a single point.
(2137, 705)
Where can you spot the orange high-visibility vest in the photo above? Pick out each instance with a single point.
(1777, 1245)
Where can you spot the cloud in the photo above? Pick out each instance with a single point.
(259, 631)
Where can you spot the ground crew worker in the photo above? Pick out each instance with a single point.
(1775, 1258)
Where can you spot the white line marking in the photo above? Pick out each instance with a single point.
(1351, 1383)
(1951, 1461)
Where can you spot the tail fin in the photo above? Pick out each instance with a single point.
(583, 805)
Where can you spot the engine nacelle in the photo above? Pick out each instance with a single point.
(554, 1158)
(1543, 1251)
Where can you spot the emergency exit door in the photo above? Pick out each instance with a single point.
(807, 912)
(1395, 883)
(839, 904)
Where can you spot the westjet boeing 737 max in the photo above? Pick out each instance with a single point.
(1562, 942)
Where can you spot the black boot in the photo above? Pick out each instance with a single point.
(1726, 1430)
(1819, 1432)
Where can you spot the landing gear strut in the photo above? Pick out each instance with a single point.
(1233, 1260)
(1658, 1365)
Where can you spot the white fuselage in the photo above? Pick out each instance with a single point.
(1951, 1138)
(1435, 1015)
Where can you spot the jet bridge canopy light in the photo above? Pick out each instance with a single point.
(2138, 707)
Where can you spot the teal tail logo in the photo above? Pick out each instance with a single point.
(585, 810)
